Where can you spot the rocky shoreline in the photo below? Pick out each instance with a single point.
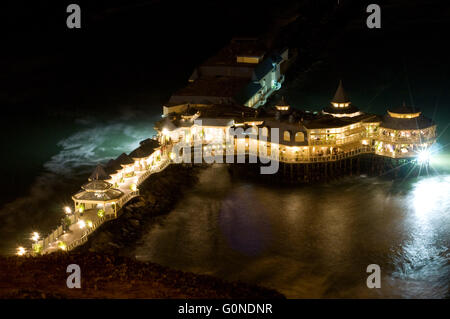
(159, 195)
(108, 276)
(108, 268)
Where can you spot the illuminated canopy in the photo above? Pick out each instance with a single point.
(406, 118)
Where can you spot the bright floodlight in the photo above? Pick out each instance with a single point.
(424, 157)
(68, 210)
(82, 224)
(35, 236)
(21, 251)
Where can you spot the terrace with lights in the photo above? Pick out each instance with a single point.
(340, 131)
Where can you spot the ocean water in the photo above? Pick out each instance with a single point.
(312, 241)
(52, 159)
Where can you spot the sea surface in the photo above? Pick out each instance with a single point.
(312, 241)
(49, 158)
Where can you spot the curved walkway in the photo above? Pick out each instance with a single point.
(78, 232)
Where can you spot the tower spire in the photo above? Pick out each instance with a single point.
(340, 96)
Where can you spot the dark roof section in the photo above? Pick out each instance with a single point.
(146, 148)
(96, 185)
(328, 121)
(266, 66)
(237, 47)
(99, 173)
(124, 159)
(220, 86)
(404, 109)
(149, 142)
(341, 110)
(247, 92)
(282, 102)
(112, 166)
(340, 96)
(415, 123)
(107, 195)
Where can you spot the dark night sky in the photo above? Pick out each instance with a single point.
(139, 52)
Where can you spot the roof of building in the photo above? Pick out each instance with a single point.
(99, 173)
(237, 47)
(247, 92)
(96, 186)
(124, 159)
(216, 121)
(340, 96)
(324, 121)
(418, 122)
(220, 86)
(108, 195)
(404, 109)
(341, 110)
(146, 148)
(112, 166)
(282, 102)
(263, 68)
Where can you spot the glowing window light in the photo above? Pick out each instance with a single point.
(21, 251)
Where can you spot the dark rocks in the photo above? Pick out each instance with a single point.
(134, 222)
(110, 276)
(159, 194)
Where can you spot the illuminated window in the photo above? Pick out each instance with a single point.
(287, 136)
(265, 131)
(299, 137)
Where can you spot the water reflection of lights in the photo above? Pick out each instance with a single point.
(425, 255)
(430, 193)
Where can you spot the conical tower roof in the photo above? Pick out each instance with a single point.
(340, 105)
(340, 96)
(282, 102)
(99, 173)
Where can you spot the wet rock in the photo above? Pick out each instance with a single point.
(134, 222)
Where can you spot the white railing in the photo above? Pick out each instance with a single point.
(125, 199)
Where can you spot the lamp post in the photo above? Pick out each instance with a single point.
(21, 251)
(35, 236)
(67, 210)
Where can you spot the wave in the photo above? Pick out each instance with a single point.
(95, 141)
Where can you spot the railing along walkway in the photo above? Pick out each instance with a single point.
(53, 237)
